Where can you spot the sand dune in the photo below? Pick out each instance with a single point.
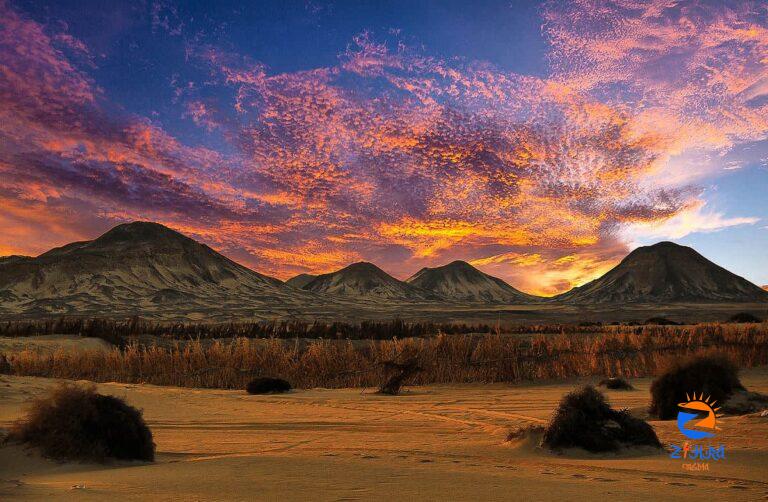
(435, 443)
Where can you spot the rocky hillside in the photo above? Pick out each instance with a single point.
(366, 280)
(462, 282)
(141, 267)
(665, 272)
(300, 280)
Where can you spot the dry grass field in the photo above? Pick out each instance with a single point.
(629, 351)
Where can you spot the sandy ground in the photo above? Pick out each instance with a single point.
(435, 443)
(352, 309)
(51, 343)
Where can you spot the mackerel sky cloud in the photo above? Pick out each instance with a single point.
(621, 127)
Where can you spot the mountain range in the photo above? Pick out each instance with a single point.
(367, 280)
(148, 269)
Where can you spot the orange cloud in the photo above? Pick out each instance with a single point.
(396, 156)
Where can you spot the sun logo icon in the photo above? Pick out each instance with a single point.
(704, 428)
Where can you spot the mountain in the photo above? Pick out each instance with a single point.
(366, 280)
(7, 260)
(300, 280)
(665, 272)
(136, 267)
(462, 282)
(765, 287)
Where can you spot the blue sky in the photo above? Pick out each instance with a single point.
(539, 141)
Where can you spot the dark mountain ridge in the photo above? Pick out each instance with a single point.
(130, 266)
(365, 279)
(662, 273)
(461, 281)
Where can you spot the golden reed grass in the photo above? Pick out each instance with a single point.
(618, 350)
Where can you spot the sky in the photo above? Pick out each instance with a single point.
(541, 142)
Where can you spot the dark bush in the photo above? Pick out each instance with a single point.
(661, 321)
(713, 376)
(744, 317)
(398, 374)
(267, 385)
(615, 383)
(585, 420)
(77, 423)
(5, 366)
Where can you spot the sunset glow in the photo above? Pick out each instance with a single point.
(635, 122)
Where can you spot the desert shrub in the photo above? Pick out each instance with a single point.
(398, 374)
(615, 383)
(661, 321)
(525, 431)
(5, 366)
(585, 420)
(744, 317)
(267, 385)
(711, 375)
(77, 423)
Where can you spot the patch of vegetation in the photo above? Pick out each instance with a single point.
(616, 383)
(267, 385)
(398, 374)
(714, 376)
(523, 432)
(661, 321)
(585, 420)
(77, 423)
(744, 317)
(5, 365)
(118, 331)
(636, 350)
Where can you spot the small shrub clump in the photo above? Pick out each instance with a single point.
(524, 432)
(398, 374)
(661, 321)
(744, 317)
(267, 385)
(5, 366)
(714, 376)
(77, 423)
(585, 420)
(616, 383)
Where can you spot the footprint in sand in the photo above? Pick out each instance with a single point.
(426, 460)
(652, 479)
(606, 480)
(739, 487)
(580, 476)
(680, 483)
(368, 456)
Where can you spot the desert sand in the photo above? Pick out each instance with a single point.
(51, 343)
(432, 443)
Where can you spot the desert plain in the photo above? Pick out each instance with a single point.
(434, 442)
